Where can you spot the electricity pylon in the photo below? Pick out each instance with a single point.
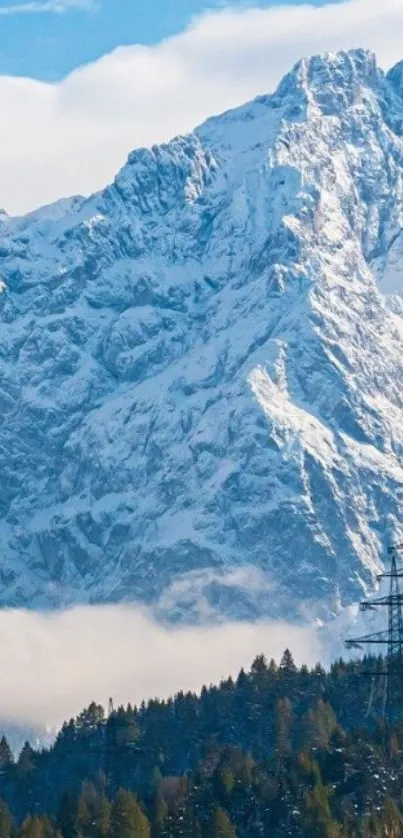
(392, 637)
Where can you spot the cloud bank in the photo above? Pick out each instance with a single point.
(72, 136)
(55, 664)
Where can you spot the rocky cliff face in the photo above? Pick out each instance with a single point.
(201, 367)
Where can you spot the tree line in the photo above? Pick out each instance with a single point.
(279, 751)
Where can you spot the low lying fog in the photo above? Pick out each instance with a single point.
(54, 664)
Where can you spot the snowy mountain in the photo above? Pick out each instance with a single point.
(201, 366)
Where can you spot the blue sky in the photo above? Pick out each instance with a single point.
(47, 44)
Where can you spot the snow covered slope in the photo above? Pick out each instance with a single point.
(201, 367)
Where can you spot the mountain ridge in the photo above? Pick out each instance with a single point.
(200, 365)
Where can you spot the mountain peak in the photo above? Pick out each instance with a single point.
(331, 80)
(344, 68)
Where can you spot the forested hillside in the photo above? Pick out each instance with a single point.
(279, 752)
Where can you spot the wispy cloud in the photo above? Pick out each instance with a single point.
(52, 6)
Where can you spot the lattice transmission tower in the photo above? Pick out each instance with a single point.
(391, 638)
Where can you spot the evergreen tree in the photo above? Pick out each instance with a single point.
(159, 816)
(242, 680)
(26, 760)
(221, 825)
(283, 724)
(26, 775)
(90, 719)
(391, 821)
(6, 756)
(318, 819)
(259, 671)
(123, 728)
(287, 663)
(272, 667)
(127, 818)
(92, 813)
(103, 817)
(318, 725)
(66, 819)
(37, 827)
(67, 736)
(6, 821)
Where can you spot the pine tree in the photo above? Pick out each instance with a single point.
(67, 736)
(221, 825)
(127, 819)
(6, 821)
(283, 724)
(287, 663)
(103, 817)
(83, 818)
(26, 774)
(123, 728)
(225, 782)
(85, 812)
(391, 821)
(37, 827)
(66, 819)
(92, 814)
(242, 680)
(272, 668)
(317, 815)
(90, 719)
(259, 671)
(6, 756)
(159, 815)
(26, 760)
(318, 725)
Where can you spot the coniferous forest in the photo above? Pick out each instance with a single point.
(280, 751)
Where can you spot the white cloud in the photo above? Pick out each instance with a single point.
(52, 6)
(71, 137)
(55, 664)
